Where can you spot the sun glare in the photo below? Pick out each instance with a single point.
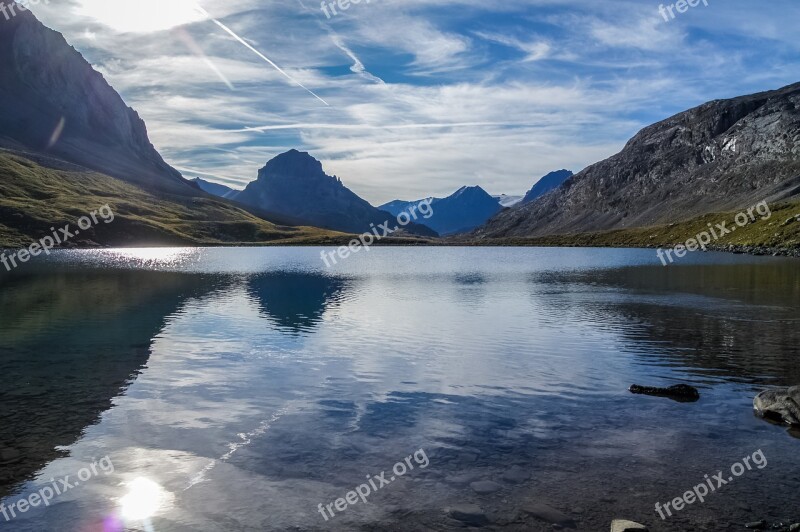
(143, 500)
(142, 16)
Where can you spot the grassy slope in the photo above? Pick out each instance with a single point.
(779, 233)
(34, 198)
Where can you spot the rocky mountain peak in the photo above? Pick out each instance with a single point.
(294, 164)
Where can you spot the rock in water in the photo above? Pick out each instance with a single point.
(485, 487)
(782, 404)
(551, 515)
(469, 514)
(679, 392)
(621, 525)
(516, 475)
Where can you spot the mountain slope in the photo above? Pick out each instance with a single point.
(719, 156)
(34, 198)
(508, 201)
(463, 211)
(59, 119)
(779, 234)
(53, 101)
(551, 181)
(294, 184)
(215, 189)
(397, 206)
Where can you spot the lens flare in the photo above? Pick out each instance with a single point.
(143, 501)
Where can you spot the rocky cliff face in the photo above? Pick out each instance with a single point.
(294, 184)
(53, 102)
(720, 156)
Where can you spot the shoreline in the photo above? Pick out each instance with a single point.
(757, 251)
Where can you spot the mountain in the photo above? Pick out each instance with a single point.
(720, 156)
(551, 181)
(53, 101)
(397, 206)
(36, 197)
(294, 184)
(215, 189)
(69, 145)
(466, 209)
(507, 201)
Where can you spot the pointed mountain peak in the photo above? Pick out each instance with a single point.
(474, 191)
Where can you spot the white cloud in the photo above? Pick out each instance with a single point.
(421, 100)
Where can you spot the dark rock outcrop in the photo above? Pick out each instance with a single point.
(720, 156)
(679, 392)
(781, 404)
(53, 102)
(294, 184)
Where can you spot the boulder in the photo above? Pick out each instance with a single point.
(550, 515)
(679, 392)
(469, 514)
(780, 404)
(622, 525)
(485, 487)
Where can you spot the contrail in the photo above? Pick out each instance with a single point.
(194, 47)
(259, 54)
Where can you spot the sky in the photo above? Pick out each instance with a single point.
(406, 99)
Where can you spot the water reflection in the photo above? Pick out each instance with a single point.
(731, 322)
(71, 343)
(271, 387)
(296, 301)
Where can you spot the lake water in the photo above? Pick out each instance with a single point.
(239, 389)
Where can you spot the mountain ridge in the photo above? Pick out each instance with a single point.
(550, 182)
(718, 156)
(52, 101)
(460, 212)
(217, 189)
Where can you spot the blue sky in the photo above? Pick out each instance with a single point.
(423, 96)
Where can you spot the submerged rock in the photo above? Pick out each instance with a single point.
(485, 487)
(622, 525)
(781, 404)
(516, 475)
(469, 514)
(679, 392)
(550, 515)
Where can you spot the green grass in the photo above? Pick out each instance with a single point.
(34, 198)
(780, 232)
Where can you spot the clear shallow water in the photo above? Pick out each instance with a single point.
(254, 384)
